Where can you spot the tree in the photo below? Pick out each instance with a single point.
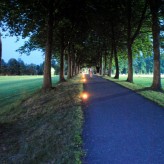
(47, 83)
(85, 31)
(27, 19)
(162, 63)
(13, 67)
(0, 53)
(22, 67)
(154, 8)
(63, 34)
(4, 67)
(115, 53)
(132, 31)
(31, 69)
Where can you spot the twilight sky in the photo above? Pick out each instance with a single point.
(9, 47)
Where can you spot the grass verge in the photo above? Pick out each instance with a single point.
(45, 128)
(155, 96)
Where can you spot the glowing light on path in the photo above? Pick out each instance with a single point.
(83, 76)
(84, 95)
(84, 80)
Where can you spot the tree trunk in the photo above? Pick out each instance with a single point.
(101, 65)
(110, 62)
(73, 65)
(130, 64)
(115, 53)
(47, 83)
(116, 62)
(105, 62)
(129, 44)
(75, 68)
(72, 68)
(154, 6)
(62, 79)
(0, 53)
(69, 66)
(69, 62)
(78, 68)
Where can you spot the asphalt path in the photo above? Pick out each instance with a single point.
(120, 126)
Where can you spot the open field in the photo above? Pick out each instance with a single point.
(142, 85)
(14, 88)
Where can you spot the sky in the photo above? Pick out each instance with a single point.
(9, 47)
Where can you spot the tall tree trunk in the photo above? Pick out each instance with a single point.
(116, 62)
(47, 82)
(101, 64)
(69, 62)
(73, 61)
(110, 62)
(115, 53)
(154, 7)
(129, 45)
(0, 53)
(62, 79)
(75, 66)
(72, 70)
(130, 63)
(69, 66)
(78, 68)
(105, 62)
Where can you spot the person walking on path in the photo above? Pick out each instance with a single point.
(90, 72)
(120, 126)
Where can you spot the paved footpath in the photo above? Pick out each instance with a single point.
(121, 127)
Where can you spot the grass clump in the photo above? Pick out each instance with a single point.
(142, 87)
(46, 128)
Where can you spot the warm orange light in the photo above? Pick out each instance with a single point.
(84, 96)
(84, 80)
(83, 75)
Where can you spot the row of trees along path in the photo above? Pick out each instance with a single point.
(86, 33)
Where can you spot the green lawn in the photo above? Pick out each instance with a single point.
(14, 88)
(143, 80)
(142, 85)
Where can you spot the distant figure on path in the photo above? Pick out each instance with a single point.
(90, 72)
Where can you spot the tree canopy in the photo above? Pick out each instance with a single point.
(87, 32)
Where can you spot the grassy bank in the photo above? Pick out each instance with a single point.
(45, 128)
(142, 85)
